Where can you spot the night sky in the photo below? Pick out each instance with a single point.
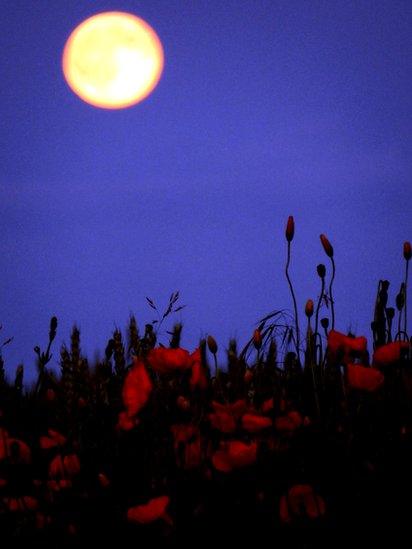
(265, 109)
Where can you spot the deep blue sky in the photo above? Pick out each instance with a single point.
(265, 109)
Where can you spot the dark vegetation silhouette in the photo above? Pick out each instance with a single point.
(304, 439)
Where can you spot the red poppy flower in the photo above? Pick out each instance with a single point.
(154, 510)
(71, 465)
(236, 409)
(183, 403)
(136, 388)
(165, 361)
(189, 436)
(60, 484)
(390, 353)
(104, 480)
(64, 467)
(234, 454)
(183, 432)
(223, 422)
(268, 405)
(345, 347)
(362, 378)
(225, 416)
(253, 423)
(198, 378)
(53, 439)
(21, 504)
(301, 501)
(13, 448)
(289, 422)
(126, 423)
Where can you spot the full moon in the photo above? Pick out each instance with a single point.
(113, 60)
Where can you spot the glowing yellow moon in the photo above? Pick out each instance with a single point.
(113, 60)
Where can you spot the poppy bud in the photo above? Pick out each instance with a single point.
(309, 308)
(327, 246)
(321, 270)
(324, 323)
(290, 229)
(53, 327)
(211, 343)
(257, 339)
(407, 250)
(400, 298)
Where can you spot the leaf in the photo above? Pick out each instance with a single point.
(151, 303)
(179, 308)
(7, 342)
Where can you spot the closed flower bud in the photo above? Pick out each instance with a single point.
(324, 323)
(327, 246)
(390, 313)
(257, 339)
(321, 270)
(309, 308)
(407, 250)
(290, 229)
(211, 343)
(400, 299)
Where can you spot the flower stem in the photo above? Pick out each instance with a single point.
(294, 304)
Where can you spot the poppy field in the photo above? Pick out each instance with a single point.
(301, 439)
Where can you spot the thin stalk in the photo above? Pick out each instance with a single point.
(322, 292)
(294, 303)
(405, 294)
(332, 303)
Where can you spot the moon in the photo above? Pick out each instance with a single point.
(113, 60)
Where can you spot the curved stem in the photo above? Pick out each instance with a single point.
(405, 295)
(322, 291)
(294, 304)
(332, 304)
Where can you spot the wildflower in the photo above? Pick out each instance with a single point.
(198, 378)
(187, 445)
(225, 416)
(53, 439)
(321, 269)
(125, 422)
(64, 467)
(289, 422)
(327, 246)
(253, 423)
(390, 354)
(364, 379)
(290, 229)
(137, 388)
(104, 480)
(345, 348)
(164, 360)
(407, 251)
(211, 343)
(268, 405)
(234, 454)
(151, 511)
(13, 448)
(21, 504)
(301, 501)
(309, 308)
